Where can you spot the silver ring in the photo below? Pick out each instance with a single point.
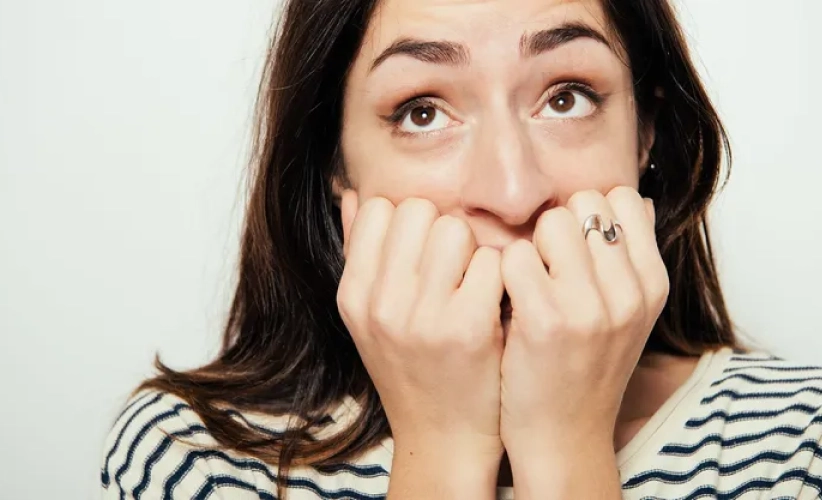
(594, 223)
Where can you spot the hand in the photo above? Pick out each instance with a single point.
(578, 330)
(430, 338)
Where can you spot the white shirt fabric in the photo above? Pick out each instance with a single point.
(743, 426)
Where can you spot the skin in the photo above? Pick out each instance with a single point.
(486, 193)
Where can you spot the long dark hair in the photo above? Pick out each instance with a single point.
(285, 348)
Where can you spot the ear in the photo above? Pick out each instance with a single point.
(647, 133)
(647, 136)
(340, 181)
(337, 188)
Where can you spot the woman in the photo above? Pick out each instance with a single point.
(475, 256)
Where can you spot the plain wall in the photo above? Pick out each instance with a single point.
(124, 130)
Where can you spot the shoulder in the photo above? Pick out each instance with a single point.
(767, 380)
(159, 447)
(750, 425)
(764, 391)
(764, 413)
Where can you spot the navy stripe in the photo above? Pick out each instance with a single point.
(174, 412)
(757, 380)
(214, 482)
(749, 415)
(746, 358)
(670, 477)
(684, 450)
(773, 368)
(361, 471)
(724, 470)
(134, 403)
(734, 396)
(759, 484)
(158, 453)
(345, 493)
(256, 466)
(105, 475)
(357, 470)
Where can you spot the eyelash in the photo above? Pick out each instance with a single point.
(396, 118)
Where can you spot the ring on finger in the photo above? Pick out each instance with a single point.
(594, 223)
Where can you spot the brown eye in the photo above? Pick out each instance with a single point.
(568, 104)
(424, 118)
(563, 102)
(423, 115)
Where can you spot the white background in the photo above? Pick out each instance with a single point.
(123, 135)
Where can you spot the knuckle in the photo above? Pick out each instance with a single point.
(584, 198)
(658, 286)
(622, 194)
(544, 328)
(629, 311)
(514, 256)
(553, 218)
(377, 204)
(468, 336)
(591, 324)
(660, 291)
(383, 318)
(344, 294)
(487, 254)
(516, 250)
(348, 304)
(419, 205)
(453, 229)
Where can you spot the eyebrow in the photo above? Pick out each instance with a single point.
(455, 54)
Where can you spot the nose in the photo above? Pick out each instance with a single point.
(503, 177)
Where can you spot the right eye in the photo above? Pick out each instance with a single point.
(422, 117)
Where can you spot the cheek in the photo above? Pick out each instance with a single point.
(377, 168)
(600, 167)
(599, 157)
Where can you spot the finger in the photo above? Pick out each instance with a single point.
(482, 285)
(558, 239)
(367, 234)
(638, 217)
(398, 277)
(614, 272)
(349, 204)
(448, 252)
(528, 284)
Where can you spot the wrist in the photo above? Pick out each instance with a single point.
(445, 469)
(558, 439)
(570, 469)
(453, 446)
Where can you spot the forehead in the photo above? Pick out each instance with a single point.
(475, 23)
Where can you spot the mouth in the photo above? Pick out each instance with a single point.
(505, 307)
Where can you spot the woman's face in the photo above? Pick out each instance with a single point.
(494, 110)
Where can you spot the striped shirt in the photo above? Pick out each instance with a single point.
(742, 426)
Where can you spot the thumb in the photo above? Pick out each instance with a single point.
(349, 204)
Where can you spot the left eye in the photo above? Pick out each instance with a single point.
(568, 104)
